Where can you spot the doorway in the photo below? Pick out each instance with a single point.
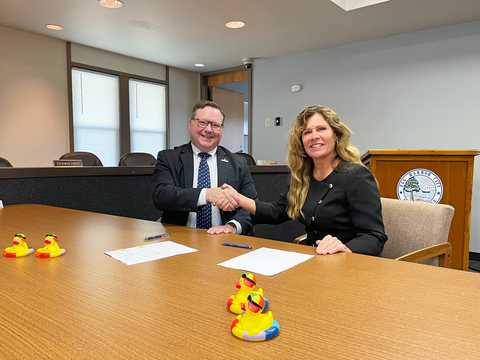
(231, 90)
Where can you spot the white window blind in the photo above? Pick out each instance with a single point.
(96, 115)
(148, 118)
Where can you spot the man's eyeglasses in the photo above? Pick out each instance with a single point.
(204, 123)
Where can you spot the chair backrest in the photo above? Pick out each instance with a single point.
(414, 225)
(248, 158)
(87, 158)
(5, 163)
(137, 159)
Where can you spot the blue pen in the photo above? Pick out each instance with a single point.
(155, 236)
(237, 245)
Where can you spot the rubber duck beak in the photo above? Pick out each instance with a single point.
(48, 241)
(238, 285)
(16, 242)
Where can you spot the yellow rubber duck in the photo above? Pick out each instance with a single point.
(246, 285)
(19, 248)
(51, 248)
(253, 325)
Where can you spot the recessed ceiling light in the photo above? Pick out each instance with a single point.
(200, 65)
(54, 27)
(111, 4)
(235, 24)
(348, 5)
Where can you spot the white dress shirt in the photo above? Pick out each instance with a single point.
(212, 167)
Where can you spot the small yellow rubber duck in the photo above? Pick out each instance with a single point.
(253, 325)
(51, 248)
(246, 285)
(19, 248)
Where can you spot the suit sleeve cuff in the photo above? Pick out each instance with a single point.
(237, 225)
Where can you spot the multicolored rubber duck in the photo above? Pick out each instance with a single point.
(51, 248)
(254, 325)
(19, 248)
(236, 303)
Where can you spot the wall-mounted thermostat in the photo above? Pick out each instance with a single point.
(278, 121)
(296, 88)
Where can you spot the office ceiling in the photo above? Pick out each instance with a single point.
(181, 33)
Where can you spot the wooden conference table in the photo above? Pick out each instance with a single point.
(87, 305)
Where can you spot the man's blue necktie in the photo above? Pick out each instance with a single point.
(204, 217)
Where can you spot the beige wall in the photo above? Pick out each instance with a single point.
(34, 94)
(184, 92)
(108, 60)
(33, 98)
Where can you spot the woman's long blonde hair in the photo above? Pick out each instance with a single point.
(301, 165)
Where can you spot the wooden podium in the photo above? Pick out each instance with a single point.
(455, 170)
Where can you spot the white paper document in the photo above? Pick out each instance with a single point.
(143, 253)
(266, 261)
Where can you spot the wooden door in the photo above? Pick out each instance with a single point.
(232, 105)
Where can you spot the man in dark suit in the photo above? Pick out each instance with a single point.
(187, 179)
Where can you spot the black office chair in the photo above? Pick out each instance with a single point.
(5, 163)
(248, 158)
(137, 159)
(87, 158)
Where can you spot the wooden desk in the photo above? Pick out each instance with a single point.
(87, 305)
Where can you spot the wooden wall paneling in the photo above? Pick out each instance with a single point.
(227, 78)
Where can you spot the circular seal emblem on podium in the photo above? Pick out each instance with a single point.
(420, 185)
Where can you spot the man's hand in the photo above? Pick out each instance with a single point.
(230, 193)
(216, 194)
(224, 205)
(226, 197)
(238, 199)
(222, 229)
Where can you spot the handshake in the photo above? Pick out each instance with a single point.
(225, 198)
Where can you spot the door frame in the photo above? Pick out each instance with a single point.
(205, 95)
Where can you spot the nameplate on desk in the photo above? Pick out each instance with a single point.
(267, 162)
(67, 163)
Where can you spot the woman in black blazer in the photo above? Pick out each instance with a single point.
(330, 191)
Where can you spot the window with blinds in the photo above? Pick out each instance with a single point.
(96, 114)
(148, 118)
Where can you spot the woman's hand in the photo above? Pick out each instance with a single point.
(230, 199)
(224, 205)
(234, 200)
(330, 245)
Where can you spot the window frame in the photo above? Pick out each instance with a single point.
(163, 132)
(87, 124)
(124, 101)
